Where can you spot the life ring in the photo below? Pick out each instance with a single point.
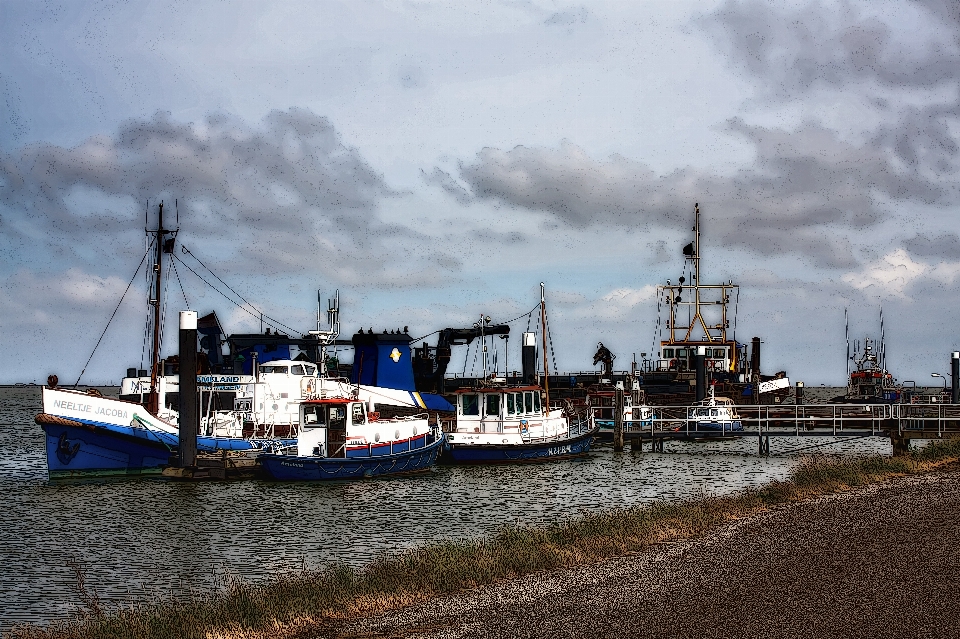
(673, 363)
(307, 386)
(374, 416)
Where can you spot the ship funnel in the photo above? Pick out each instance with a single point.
(529, 358)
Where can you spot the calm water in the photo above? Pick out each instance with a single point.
(138, 538)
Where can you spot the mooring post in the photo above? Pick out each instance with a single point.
(700, 364)
(955, 377)
(901, 445)
(764, 445)
(189, 411)
(799, 394)
(618, 419)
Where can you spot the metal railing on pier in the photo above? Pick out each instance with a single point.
(828, 420)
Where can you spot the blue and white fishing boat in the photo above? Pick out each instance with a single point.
(499, 425)
(90, 435)
(341, 439)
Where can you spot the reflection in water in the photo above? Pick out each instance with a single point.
(150, 537)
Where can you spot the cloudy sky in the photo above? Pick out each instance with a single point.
(438, 160)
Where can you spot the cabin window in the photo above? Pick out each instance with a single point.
(668, 352)
(681, 352)
(536, 402)
(274, 369)
(713, 412)
(719, 353)
(298, 369)
(359, 414)
(511, 405)
(310, 369)
(338, 417)
(528, 402)
(313, 416)
(469, 404)
(493, 404)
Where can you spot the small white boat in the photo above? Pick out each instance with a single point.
(713, 414)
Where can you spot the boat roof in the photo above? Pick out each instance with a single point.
(497, 389)
(331, 400)
(285, 362)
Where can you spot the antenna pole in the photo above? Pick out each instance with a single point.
(883, 344)
(846, 336)
(546, 371)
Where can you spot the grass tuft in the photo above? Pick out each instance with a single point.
(305, 602)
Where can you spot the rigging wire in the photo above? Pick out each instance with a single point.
(188, 252)
(736, 305)
(163, 313)
(272, 322)
(549, 335)
(142, 260)
(148, 246)
(256, 312)
(177, 273)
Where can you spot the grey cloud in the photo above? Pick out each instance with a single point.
(829, 44)
(567, 18)
(792, 53)
(290, 193)
(445, 181)
(945, 246)
(805, 189)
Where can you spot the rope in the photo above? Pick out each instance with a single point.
(111, 318)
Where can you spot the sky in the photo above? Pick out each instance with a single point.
(436, 161)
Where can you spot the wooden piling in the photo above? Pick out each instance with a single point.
(955, 377)
(189, 419)
(618, 419)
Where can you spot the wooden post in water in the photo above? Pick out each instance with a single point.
(618, 419)
(189, 413)
(700, 364)
(955, 377)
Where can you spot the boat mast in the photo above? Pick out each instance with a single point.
(543, 334)
(153, 399)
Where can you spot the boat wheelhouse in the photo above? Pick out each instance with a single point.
(341, 439)
(698, 316)
(503, 424)
(713, 414)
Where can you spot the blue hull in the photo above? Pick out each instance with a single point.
(508, 453)
(296, 468)
(606, 428)
(93, 449)
(713, 428)
(388, 448)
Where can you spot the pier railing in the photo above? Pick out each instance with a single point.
(796, 419)
(837, 420)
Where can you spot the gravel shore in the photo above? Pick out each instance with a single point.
(882, 561)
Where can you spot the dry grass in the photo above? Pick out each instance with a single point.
(299, 605)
